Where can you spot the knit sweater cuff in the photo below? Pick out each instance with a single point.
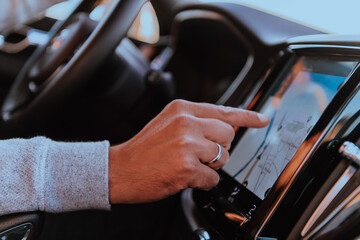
(76, 176)
(40, 174)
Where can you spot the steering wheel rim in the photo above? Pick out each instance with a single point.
(26, 102)
(101, 43)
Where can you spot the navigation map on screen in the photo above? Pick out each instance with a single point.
(262, 154)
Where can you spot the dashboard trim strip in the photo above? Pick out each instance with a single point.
(338, 186)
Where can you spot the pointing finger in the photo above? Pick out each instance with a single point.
(230, 115)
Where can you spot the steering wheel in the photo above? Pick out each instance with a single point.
(55, 71)
(58, 69)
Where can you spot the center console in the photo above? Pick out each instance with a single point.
(296, 178)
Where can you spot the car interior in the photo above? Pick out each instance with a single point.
(85, 76)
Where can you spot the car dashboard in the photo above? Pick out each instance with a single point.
(298, 177)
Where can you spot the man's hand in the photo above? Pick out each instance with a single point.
(173, 151)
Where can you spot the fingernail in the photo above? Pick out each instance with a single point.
(262, 117)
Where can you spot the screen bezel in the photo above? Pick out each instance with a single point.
(249, 201)
(268, 208)
(318, 64)
(317, 137)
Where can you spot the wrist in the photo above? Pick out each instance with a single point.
(117, 172)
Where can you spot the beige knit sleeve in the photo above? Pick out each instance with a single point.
(40, 174)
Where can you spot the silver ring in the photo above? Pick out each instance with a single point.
(218, 155)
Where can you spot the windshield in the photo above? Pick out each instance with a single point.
(13, 12)
(340, 17)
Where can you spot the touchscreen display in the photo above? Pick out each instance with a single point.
(293, 106)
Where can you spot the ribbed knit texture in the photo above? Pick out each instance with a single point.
(40, 174)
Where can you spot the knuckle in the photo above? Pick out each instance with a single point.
(178, 105)
(223, 161)
(231, 133)
(227, 133)
(248, 116)
(226, 111)
(228, 146)
(226, 156)
(183, 121)
(185, 142)
(188, 166)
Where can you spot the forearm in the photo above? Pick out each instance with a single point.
(40, 174)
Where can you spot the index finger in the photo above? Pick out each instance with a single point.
(230, 115)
